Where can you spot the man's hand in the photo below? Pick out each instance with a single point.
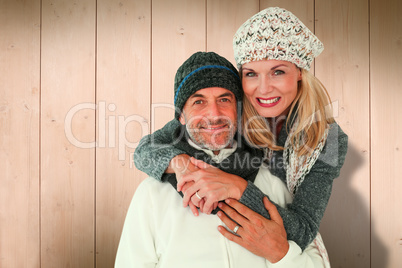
(210, 185)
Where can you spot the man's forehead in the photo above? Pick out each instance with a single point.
(214, 91)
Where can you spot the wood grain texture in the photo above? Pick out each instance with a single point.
(68, 161)
(123, 98)
(109, 66)
(178, 30)
(223, 19)
(19, 133)
(386, 129)
(343, 68)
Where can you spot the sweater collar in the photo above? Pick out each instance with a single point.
(218, 158)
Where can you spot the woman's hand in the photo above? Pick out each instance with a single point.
(211, 185)
(263, 237)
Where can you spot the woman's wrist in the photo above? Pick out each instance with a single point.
(178, 164)
(241, 185)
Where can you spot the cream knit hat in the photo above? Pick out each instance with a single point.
(276, 34)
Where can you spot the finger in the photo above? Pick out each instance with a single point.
(196, 201)
(189, 193)
(201, 205)
(208, 206)
(230, 224)
(273, 211)
(199, 163)
(226, 220)
(186, 199)
(231, 217)
(215, 205)
(232, 237)
(193, 209)
(186, 186)
(241, 209)
(185, 179)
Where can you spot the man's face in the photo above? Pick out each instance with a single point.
(210, 117)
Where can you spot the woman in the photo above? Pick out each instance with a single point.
(285, 113)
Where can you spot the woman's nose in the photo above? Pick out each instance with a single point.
(265, 85)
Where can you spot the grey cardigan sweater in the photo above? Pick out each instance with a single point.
(302, 217)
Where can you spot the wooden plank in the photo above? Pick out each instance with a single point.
(178, 30)
(386, 129)
(123, 98)
(68, 134)
(343, 68)
(19, 133)
(223, 19)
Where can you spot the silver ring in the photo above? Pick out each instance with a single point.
(196, 193)
(236, 229)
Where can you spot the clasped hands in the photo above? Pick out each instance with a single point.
(204, 186)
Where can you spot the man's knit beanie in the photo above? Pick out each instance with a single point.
(204, 70)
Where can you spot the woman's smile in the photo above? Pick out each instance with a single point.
(268, 102)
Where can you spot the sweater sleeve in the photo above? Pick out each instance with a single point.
(154, 152)
(302, 217)
(295, 258)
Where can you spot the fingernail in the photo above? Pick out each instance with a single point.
(219, 213)
(227, 201)
(220, 204)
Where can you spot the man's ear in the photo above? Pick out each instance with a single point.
(181, 119)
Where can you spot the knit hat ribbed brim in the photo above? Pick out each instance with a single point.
(204, 70)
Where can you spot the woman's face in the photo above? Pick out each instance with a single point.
(270, 86)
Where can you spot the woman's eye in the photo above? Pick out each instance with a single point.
(250, 74)
(278, 72)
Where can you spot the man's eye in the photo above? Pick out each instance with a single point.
(198, 102)
(225, 100)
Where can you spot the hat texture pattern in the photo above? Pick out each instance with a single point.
(204, 70)
(276, 34)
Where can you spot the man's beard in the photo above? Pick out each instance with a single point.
(216, 141)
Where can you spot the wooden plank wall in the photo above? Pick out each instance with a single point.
(19, 134)
(344, 68)
(385, 133)
(82, 81)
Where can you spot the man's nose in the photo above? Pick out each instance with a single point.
(213, 109)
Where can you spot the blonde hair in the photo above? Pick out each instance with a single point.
(314, 114)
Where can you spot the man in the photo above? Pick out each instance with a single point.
(158, 231)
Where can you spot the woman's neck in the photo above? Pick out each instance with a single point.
(276, 124)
